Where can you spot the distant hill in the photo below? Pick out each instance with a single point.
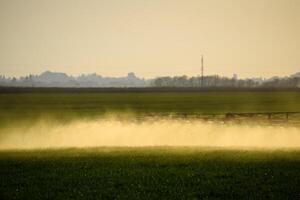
(53, 77)
(58, 79)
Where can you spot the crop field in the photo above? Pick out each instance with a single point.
(61, 106)
(150, 173)
(85, 145)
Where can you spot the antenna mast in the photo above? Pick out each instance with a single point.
(202, 68)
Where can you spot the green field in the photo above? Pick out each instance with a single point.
(22, 106)
(146, 172)
(150, 173)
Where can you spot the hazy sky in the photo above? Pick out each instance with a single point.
(150, 37)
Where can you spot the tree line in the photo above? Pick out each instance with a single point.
(218, 81)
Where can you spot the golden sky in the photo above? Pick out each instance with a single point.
(150, 37)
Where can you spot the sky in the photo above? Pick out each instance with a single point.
(252, 38)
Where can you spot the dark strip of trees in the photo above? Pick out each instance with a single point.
(217, 81)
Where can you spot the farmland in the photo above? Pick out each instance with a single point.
(150, 173)
(65, 106)
(145, 172)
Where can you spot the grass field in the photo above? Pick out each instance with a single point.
(61, 106)
(144, 172)
(150, 173)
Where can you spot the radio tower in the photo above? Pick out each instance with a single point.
(202, 68)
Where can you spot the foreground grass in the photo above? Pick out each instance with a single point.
(150, 173)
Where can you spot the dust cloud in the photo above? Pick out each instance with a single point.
(158, 132)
